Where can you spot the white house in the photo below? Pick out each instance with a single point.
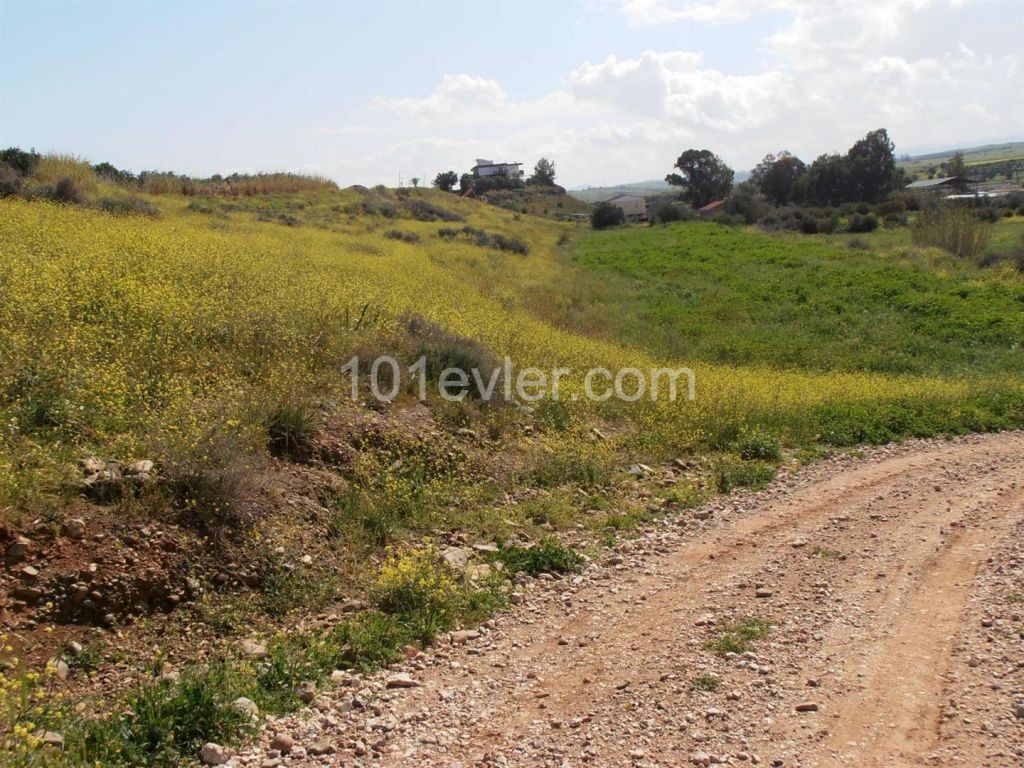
(634, 207)
(485, 168)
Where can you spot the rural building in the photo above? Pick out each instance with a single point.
(715, 206)
(633, 206)
(945, 184)
(484, 168)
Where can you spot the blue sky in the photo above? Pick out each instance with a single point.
(612, 91)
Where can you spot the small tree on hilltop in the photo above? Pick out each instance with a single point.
(703, 177)
(415, 181)
(446, 181)
(957, 166)
(543, 173)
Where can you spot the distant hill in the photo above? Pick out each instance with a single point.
(987, 162)
(651, 188)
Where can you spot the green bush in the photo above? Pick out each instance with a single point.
(758, 445)
(132, 206)
(862, 223)
(290, 429)
(731, 474)
(547, 556)
(606, 215)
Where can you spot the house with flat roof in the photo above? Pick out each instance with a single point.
(633, 206)
(485, 168)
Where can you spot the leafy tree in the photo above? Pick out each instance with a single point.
(828, 180)
(446, 181)
(606, 215)
(957, 166)
(780, 178)
(543, 173)
(745, 201)
(21, 161)
(872, 167)
(112, 173)
(703, 177)
(415, 181)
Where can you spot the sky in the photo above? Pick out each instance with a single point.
(611, 91)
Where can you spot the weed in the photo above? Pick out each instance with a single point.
(290, 429)
(739, 637)
(758, 445)
(548, 556)
(706, 683)
(731, 474)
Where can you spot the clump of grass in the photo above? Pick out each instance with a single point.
(706, 683)
(731, 474)
(290, 429)
(758, 445)
(740, 636)
(548, 556)
(952, 229)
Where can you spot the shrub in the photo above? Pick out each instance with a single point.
(66, 191)
(809, 226)
(670, 212)
(759, 445)
(289, 429)
(706, 683)
(606, 215)
(21, 161)
(405, 237)
(952, 229)
(547, 556)
(987, 214)
(858, 244)
(131, 206)
(862, 223)
(10, 181)
(443, 349)
(424, 210)
(417, 581)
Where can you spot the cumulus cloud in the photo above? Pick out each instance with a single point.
(833, 70)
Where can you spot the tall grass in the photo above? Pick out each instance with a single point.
(954, 229)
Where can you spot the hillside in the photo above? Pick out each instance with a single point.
(988, 161)
(178, 414)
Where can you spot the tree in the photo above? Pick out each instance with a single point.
(606, 215)
(872, 167)
(957, 166)
(415, 181)
(446, 181)
(828, 180)
(543, 173)
(780, 178)
(703, 177)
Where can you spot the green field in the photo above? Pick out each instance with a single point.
(975, 157)
(703, 292)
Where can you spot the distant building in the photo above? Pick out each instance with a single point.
(484, 168)
(711, 208)
(633, 206)
(946, 185)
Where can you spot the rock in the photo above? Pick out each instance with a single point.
(75, 648)
(74, 528)
(322, 748)
(29, 573)
(464, 636)
(17, 549)
(1019, 710)
(465, 432)
(457, 557)
(701, 514)
(700, 757)
(282, 742)
(30, 595)
(61, 669)
(516, 598)
(247, 706)
(143, 467)
(807, 706)
(763, 592)
(306, 692)
(401, 680)
(254, 649)
(214, 754)
(479, 572)
(53, 739)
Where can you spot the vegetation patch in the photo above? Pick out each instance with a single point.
(549, 555)
(739, 636)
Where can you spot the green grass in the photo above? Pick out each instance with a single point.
(739, 636)
(548, 556)
(706, 683)
(702, 292)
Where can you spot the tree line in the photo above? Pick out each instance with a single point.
(866, 173)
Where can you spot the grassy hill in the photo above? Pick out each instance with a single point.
(1000, 160)
(209, 333)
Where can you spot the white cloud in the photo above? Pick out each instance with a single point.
(834, 70)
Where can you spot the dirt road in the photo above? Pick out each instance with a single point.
(894, 587)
